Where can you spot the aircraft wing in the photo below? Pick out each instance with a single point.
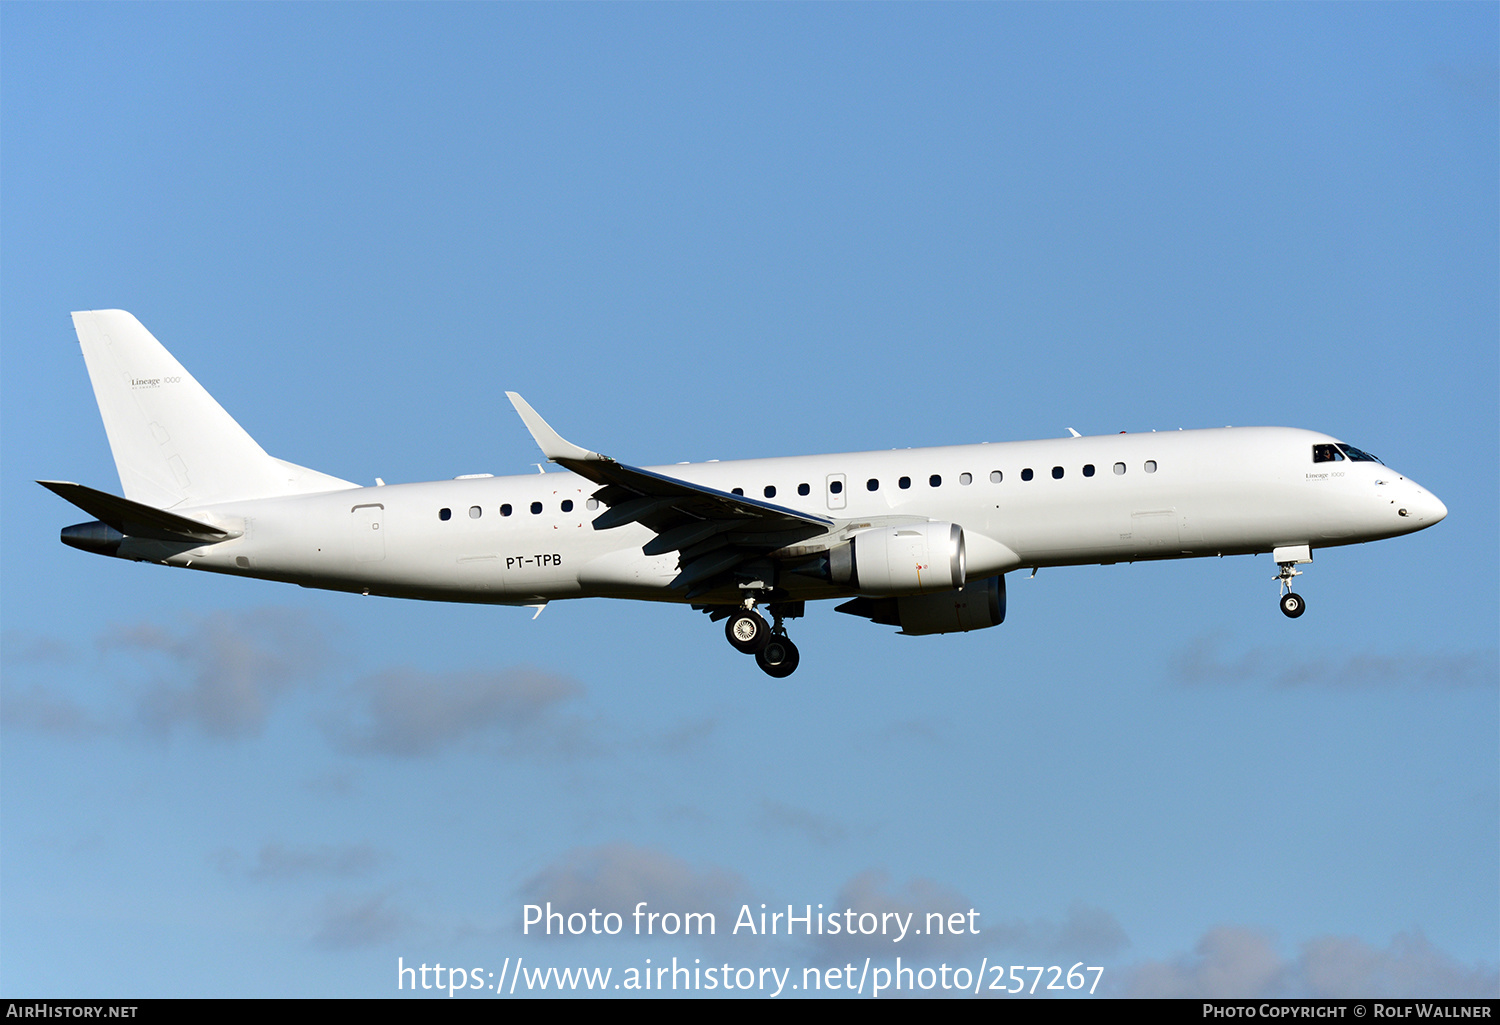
(714, 531)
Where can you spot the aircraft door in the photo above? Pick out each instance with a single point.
(369, 537)
(1154, 533)
(837, 490)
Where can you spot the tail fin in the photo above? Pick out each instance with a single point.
(173, 444)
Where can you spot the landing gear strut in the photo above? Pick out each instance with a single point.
(774, 651)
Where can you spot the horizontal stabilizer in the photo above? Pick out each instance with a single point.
(134, 519)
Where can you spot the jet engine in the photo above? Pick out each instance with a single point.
(978, 604)
(911, 558)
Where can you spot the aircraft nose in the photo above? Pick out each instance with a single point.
(1436, 509)
(1425, 507)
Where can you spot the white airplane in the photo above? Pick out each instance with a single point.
(915, 538)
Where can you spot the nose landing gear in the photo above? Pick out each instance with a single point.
(1292, 604)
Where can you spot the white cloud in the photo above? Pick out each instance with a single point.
(1227, 962)
(36, 709)
(1085, 932)
(617, 877)
(1202, 664)
(1339, 966)
(351, 922)
(223, 673)
(687, 736)
(25, 647)
(871, 892)
(1234, 961)
(220, 675)
(411, 712)
(823, 830)
(278, 862)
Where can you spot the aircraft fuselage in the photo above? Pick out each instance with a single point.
(1090, 500)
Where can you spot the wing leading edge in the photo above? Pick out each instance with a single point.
(714, 532)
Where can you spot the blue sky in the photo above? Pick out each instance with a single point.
(688, 232)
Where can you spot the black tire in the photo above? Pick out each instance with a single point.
(747, 631)
(778, 658)
(1292, 605)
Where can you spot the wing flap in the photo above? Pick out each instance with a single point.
(707, 566)
(687, 535)
(631, 510)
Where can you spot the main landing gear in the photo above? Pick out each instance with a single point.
(774, 651)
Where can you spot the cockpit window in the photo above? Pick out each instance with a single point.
(1327, 454)
(1358, 456)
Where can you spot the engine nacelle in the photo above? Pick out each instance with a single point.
(912, 558)
(980, 604)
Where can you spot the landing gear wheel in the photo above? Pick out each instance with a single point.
(747, 631)
(778, 658)
(1292, 605)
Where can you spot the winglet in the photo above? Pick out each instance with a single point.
(552, 444)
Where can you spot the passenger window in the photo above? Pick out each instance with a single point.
(966, 478)
(804, 490)
(536, 508)
(904, 483)
(1057, 472)
(592, 503)
(1119, 469)
(935, 481)
(475, 512)
(996, 476)
(445, 514)
(567, 505)
(1026, 474)
(1327, 454)
(738, 491)
(770, 491)
(872, 484)
(835, 487)
(505, 509)
(1088, 469)
(1151, 466)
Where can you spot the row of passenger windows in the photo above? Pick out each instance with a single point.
(835, 487)
(936, 480)
(505, 510)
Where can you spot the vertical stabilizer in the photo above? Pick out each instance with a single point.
(172, 443)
